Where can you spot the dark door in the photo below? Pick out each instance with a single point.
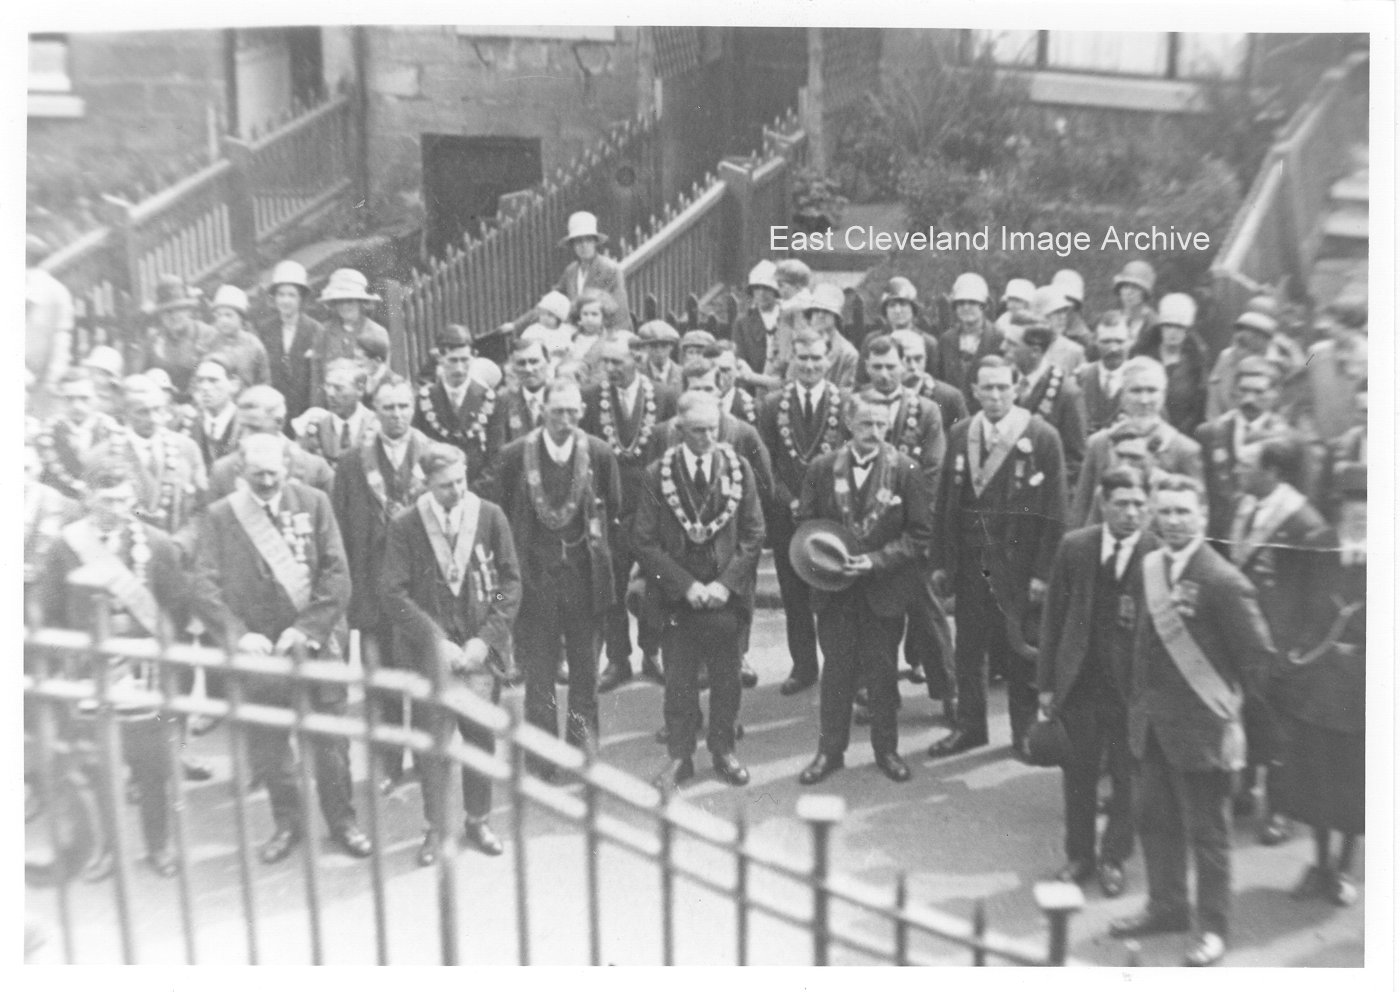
(463, 177)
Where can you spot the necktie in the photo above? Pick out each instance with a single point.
(1117, 552)
(807, 410)
(267, 508)
(700, 474)
(1167, 566)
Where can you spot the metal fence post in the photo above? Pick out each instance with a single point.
(1058, 901)
(821, 813)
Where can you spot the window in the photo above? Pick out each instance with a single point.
(50, 86)
(1147, 55)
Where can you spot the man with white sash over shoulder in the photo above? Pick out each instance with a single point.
(451, 589)
(271, 578)
(1200, 637)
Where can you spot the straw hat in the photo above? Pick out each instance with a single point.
(1071, 283)
(827, 297)
(289, 273)
(231, 297)
(972, 288)
(1019, 289)
(583, 225)
(818, 552)
(347, 284)
(1178, 309)
(764, 274)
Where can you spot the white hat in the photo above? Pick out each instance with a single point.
(484, 371)
(289, 273)
(1137, 273)
(583, 225)
(827, 297)
(554, 303)
(104, 358)
(971, 287)
(1019, 289)
(765, 274)
(1178, 309)
(347, 284)
(232, 297)
(1048, 299)
(1250, 320)
(1070, 283)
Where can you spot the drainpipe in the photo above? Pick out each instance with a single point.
(361, 47)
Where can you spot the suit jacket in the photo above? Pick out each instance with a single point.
(460, 428)
(732, 431)
(321, 437)
(668, 558)
(65, 457)
(751, 339)
(1068, 613)
(1177, 454)
(302, 466)
(1019, 517)
(211, 449)
(297, 373)
(1100, 409)
(600, 273)
(515, 411)
(743, 406)
(421, 605)
(74, 608)
(172, 495)
(603, 505)
(791, 458)
(952, 368)
(1056, 398)
(234, 590)
(916, 432)
(1234, 638)
(364, 518)
(951, 403)
(632, 466)
(898, 540)
(881, 329)
(1217, 441)
(1295, 570)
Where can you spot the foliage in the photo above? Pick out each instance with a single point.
(815, 194)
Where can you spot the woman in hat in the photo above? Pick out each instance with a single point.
(1173, 342)
(1071, 283)
(347, 294)
(590, 270)
(233, 340)
(179, 340)
(1016, 298)
(1133, 287)
(291, 339)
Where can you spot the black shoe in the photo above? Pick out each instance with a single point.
(677, 770)
(353, 841)
(480, 836)
(427, 851)
(747, 676)
(912, 674)
(1147, 923)
(1111, 879)
(893, 766)
(1206, 949)
(822, 766)
(1275, 830)
(1075, 871)
(728, 768)
(279, 845)
(196, 771)
(794, 684)
(163, 863)
(614, 675)
(101, 868)
(651, 667)
(956, 743)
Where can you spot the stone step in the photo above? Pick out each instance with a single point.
(1355, 188)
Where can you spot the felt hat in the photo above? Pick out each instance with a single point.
(289, 273)
(1178, 309)
(971, 288)
(1049, 299)
(764, 274)
(1071, 283)
(583, 225)
(347, 284)
(231, 297)
(818, 552)
(1137, 273)
(900, 290)
(827, 297)
(173, 293)
(1261, 323)
(1019, 289)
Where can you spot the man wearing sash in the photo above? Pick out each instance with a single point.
(110, 552)
(798, 423)
(1045, 388)
(562, 493)
(1199, 639)
(458, 410)
(698, 534)
(451, 589)
(375, 481)
(1000, 516)
(524, 401)
(626, 411)
(1084, 671)
(262, 411)
(271, 577)
(881, 498)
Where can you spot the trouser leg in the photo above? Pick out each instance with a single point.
(681, 704)
(1022, 703)
(334, 786)
(476, 788)
(619, 635)
(582, 641)
(376, 652)
(1208, 818)
(270, 754)
(144, 744)
(1080, 782)
(976, 613)
(537, 646)
(1161, 828)
(1118, 834)
(721, 631)
(929, 643)
(797, 609)
(879, 663)
(838, 634)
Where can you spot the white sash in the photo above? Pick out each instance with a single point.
(1220, 697)
(293, 576)
(451, 561)
(1284, 504)
(112, 574)
(1009, 431)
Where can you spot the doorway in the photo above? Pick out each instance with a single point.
(464, 177)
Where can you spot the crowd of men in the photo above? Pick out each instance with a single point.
(1012, 497)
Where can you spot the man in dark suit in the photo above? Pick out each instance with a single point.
(374, 481)
(1101, 381)
(561, 490)
(270, 577)
(1084, 673)
(1199, 639)
(262, 411)
(949, 400)
(697, 534)
(455, 409)
(798, 423)
(626, 412)
(1046, 389)
(880, 496)
(451, 589)
(1223, 440)
(214, 428)
(523, 402)
(1000, 517)
(734, 401)
(292, 339)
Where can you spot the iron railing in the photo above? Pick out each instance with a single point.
(760, 883)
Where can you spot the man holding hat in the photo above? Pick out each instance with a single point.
(293, 341)
(972, 337)
(458, 410)
(589, 269)
(180, 340)
(823, 313)
(760, 322)
(862, 541)
(350, 301)
(1133, 288)
(242, 348)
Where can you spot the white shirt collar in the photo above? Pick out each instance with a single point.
(628, 394)
(217, 423)
(395, 450)
(561, 453)
(692, 460)
(450, 522)
(457, 395)
(770, 318)
(1180, 559)
(813, 393)
(1110, 379)
(1125, 547)
(274, 504)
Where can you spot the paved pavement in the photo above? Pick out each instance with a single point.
(976, 827)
